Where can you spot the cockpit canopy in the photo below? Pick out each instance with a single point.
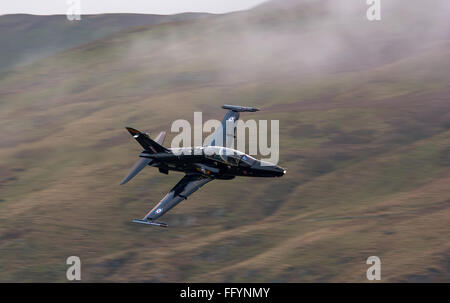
(228, 156)
(218, 153)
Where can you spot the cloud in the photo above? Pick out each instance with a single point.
(51, 7)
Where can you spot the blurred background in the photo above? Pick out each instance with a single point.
(364, 111)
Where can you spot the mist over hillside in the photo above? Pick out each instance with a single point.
(26, 38)
(364, 133)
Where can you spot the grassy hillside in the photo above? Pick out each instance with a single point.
(26, 38)
(364, 131)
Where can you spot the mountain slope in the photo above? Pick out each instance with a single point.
(364, 133)
(25, 38)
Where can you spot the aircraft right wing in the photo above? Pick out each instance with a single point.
(184, 188)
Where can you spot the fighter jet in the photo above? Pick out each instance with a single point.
(201, 164)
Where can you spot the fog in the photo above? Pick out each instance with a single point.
(295, 38)
(166, 7)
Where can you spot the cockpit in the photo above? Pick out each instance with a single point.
(228, 156)
(246, 160)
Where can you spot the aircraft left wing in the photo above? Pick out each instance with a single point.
(183, 189)
(224, 134)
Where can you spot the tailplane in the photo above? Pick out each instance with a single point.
(136, 168)
(150, 146)
(160, 138)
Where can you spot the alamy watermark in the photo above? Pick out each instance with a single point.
(73, 273)
(374, 271)
(73, 10)
(233, 135)
(374, 11)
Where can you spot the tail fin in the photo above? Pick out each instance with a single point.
(148, 144)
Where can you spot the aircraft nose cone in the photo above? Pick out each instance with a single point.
(269, 169)
(281, 171)
(278, 171)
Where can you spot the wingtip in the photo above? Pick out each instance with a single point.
(149, 222)
(238, 108)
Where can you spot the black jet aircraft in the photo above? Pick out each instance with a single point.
(202, 164)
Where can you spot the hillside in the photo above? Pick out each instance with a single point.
(364, 112)
(27, 38)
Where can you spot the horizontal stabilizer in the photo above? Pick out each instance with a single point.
(136, 168)
(161, 224)
(163, 156)
(160, 138)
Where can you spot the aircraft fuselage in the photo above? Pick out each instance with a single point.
(214, 162)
